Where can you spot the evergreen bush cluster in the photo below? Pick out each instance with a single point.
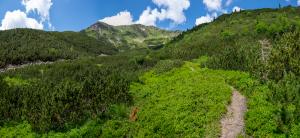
(19, 46)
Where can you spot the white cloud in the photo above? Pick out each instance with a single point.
(236, 9)
(42, 7)
(149, 17)
(122, 18)
(214, 8)
(213, 5)
(228, 2)
(174, 9)
(168, 10)
(18, 19)
(298, 2)
(206, 19)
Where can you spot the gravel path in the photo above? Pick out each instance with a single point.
(13, 67)
(233, 123)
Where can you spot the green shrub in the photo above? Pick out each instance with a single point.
(227, 35)
(261, 27)
(167, 65)
(295, 131)
(285, 56)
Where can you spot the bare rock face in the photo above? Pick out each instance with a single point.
(132, 36)
(101, 26)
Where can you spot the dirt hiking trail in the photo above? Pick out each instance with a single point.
(233, 123)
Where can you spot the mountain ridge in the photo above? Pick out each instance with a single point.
(130, 36)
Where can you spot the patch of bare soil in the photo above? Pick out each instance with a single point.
(133, 115)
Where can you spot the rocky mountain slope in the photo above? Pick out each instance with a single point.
(131, 36)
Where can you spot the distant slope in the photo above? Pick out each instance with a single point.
(130, 36)
(20, 46)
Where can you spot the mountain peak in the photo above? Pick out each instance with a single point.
(130, 36)
(101, 25)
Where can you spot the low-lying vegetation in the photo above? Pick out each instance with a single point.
(164, 107)
(180, 102)
(66, 94)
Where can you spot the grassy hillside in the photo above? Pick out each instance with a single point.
(169, 109)
(165, 107)
(264, 42)
(20, 46)
(131, 36)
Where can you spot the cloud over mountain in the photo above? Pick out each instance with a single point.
(214, 9)
(165, 10)
(206, 19)
(236, 9)
(122, 18)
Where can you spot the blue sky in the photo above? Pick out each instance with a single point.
(76, 15)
